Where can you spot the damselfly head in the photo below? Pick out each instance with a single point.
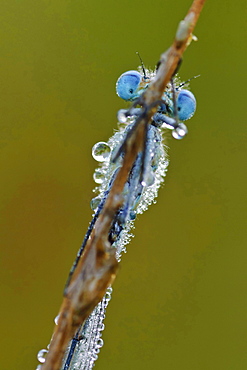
(177, 104)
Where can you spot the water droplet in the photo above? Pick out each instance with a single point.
(100, 342)
(109, 290)
(121, 116)
(38, 367)
(180, 132)
(101, 151)
(95, 202)
(41, 355)
(56, 319)
(97, 350)
(148, 178)
(122, 126)
(101, 327)
(98, 176)
(132, 215)
(108, 296)
(94, 357)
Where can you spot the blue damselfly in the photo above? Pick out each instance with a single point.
(139, 192)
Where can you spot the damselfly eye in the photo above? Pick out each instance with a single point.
(186, 105)
(128, 85)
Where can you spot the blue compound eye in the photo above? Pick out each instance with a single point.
(128, 85)
(186, 104)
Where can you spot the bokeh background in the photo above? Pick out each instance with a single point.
(179, 300)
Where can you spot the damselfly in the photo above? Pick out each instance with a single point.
(140, 189)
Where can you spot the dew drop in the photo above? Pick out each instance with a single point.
(109, 290)
(101, 151)
(122, 125)
(56, 319)
(95, 203)
(41, 355)
(148, 179)
(101, 327)
(100, 342)
(132, 215)
(121, 116)
(98, 176)
(94, 357)
(180, 132)
(107, 296)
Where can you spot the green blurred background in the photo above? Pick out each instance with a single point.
(179, 300)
